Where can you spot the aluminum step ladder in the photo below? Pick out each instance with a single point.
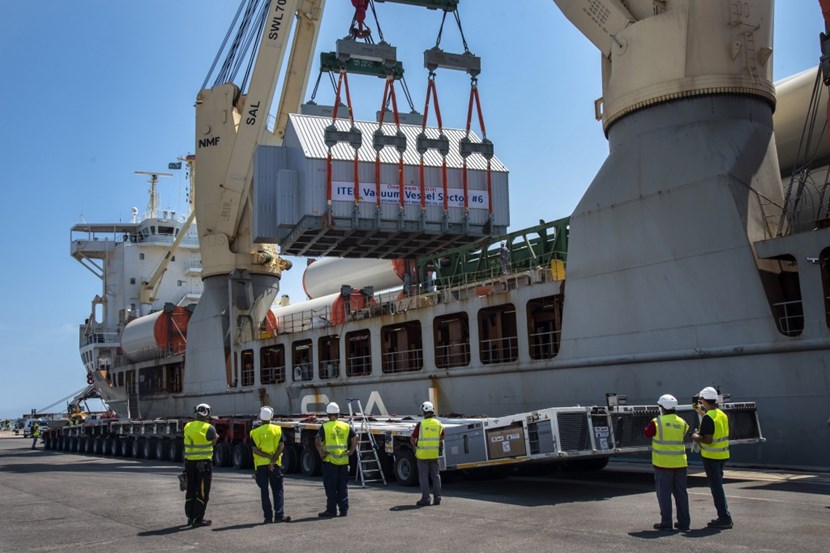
(368, 462)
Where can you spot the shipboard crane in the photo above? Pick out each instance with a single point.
(241, 279)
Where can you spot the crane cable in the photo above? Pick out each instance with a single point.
(806, 151)
(61, 400)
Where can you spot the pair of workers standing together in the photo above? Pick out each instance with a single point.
(336, 442)
(668, 455)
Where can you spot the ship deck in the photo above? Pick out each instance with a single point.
(53, 501)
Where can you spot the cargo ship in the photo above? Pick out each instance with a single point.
(695, 258)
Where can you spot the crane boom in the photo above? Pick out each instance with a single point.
(230, 125)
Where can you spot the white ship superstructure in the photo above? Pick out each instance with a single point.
(124, 256)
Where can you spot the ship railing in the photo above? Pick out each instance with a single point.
(359, 365)
(402, 361)
(303, 372)
(499, 350)
(88, 338)
(330, 369)
(273, 375)
(544, 345)
(452, 355)
(790, 317)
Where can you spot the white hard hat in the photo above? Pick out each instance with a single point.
(427, 407)
(709, 393)
(333, 409)
(202, 409)
(667, 401)
(266, 413)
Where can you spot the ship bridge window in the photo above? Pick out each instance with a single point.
(358, 353)
(544, 326)
(498, 338)
(401, 347)
(272, 364)
(780, 278)
(166, 231)
(452, 340)
(329, 363)
(248, 367)
(301, 360)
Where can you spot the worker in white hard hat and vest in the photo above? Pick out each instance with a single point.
(268, 445)
(199, 438)
(713, 438)
(428, 440)
(336, 441)
(668, 455)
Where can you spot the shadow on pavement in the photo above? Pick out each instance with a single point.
(398, 508)
(165, 531)
(245, 526)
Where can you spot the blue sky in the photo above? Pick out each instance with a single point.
(96, 89)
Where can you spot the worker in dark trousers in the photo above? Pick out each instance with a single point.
(267, 448)
(668, 456)
(428, 439)
(199, 438)
(336, 442)
(713, 438)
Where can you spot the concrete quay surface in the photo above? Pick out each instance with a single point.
(53, 502)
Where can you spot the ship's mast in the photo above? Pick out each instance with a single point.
(154, 195)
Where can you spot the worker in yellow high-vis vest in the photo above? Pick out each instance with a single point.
(713, 437)
(199, 438)
(428, 439)
(668, 456)
(336, 441)
(268, 445)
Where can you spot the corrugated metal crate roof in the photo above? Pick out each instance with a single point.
(310, 130)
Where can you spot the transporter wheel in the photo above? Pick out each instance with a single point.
(126, 447)
(90, 444)
(98, 445)
(138, 448)
(110, 445)
(149, 448)
(176, 449)
(162, 449)
(291, 459)
(73, 444)
(310, 462)
(221, 454)
(406, 467)
(585, 465)
(64, 445)
(241, 456)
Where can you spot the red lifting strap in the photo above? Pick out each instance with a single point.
(475, 98)
(389, 94)
(342, 83)
(433, 91)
